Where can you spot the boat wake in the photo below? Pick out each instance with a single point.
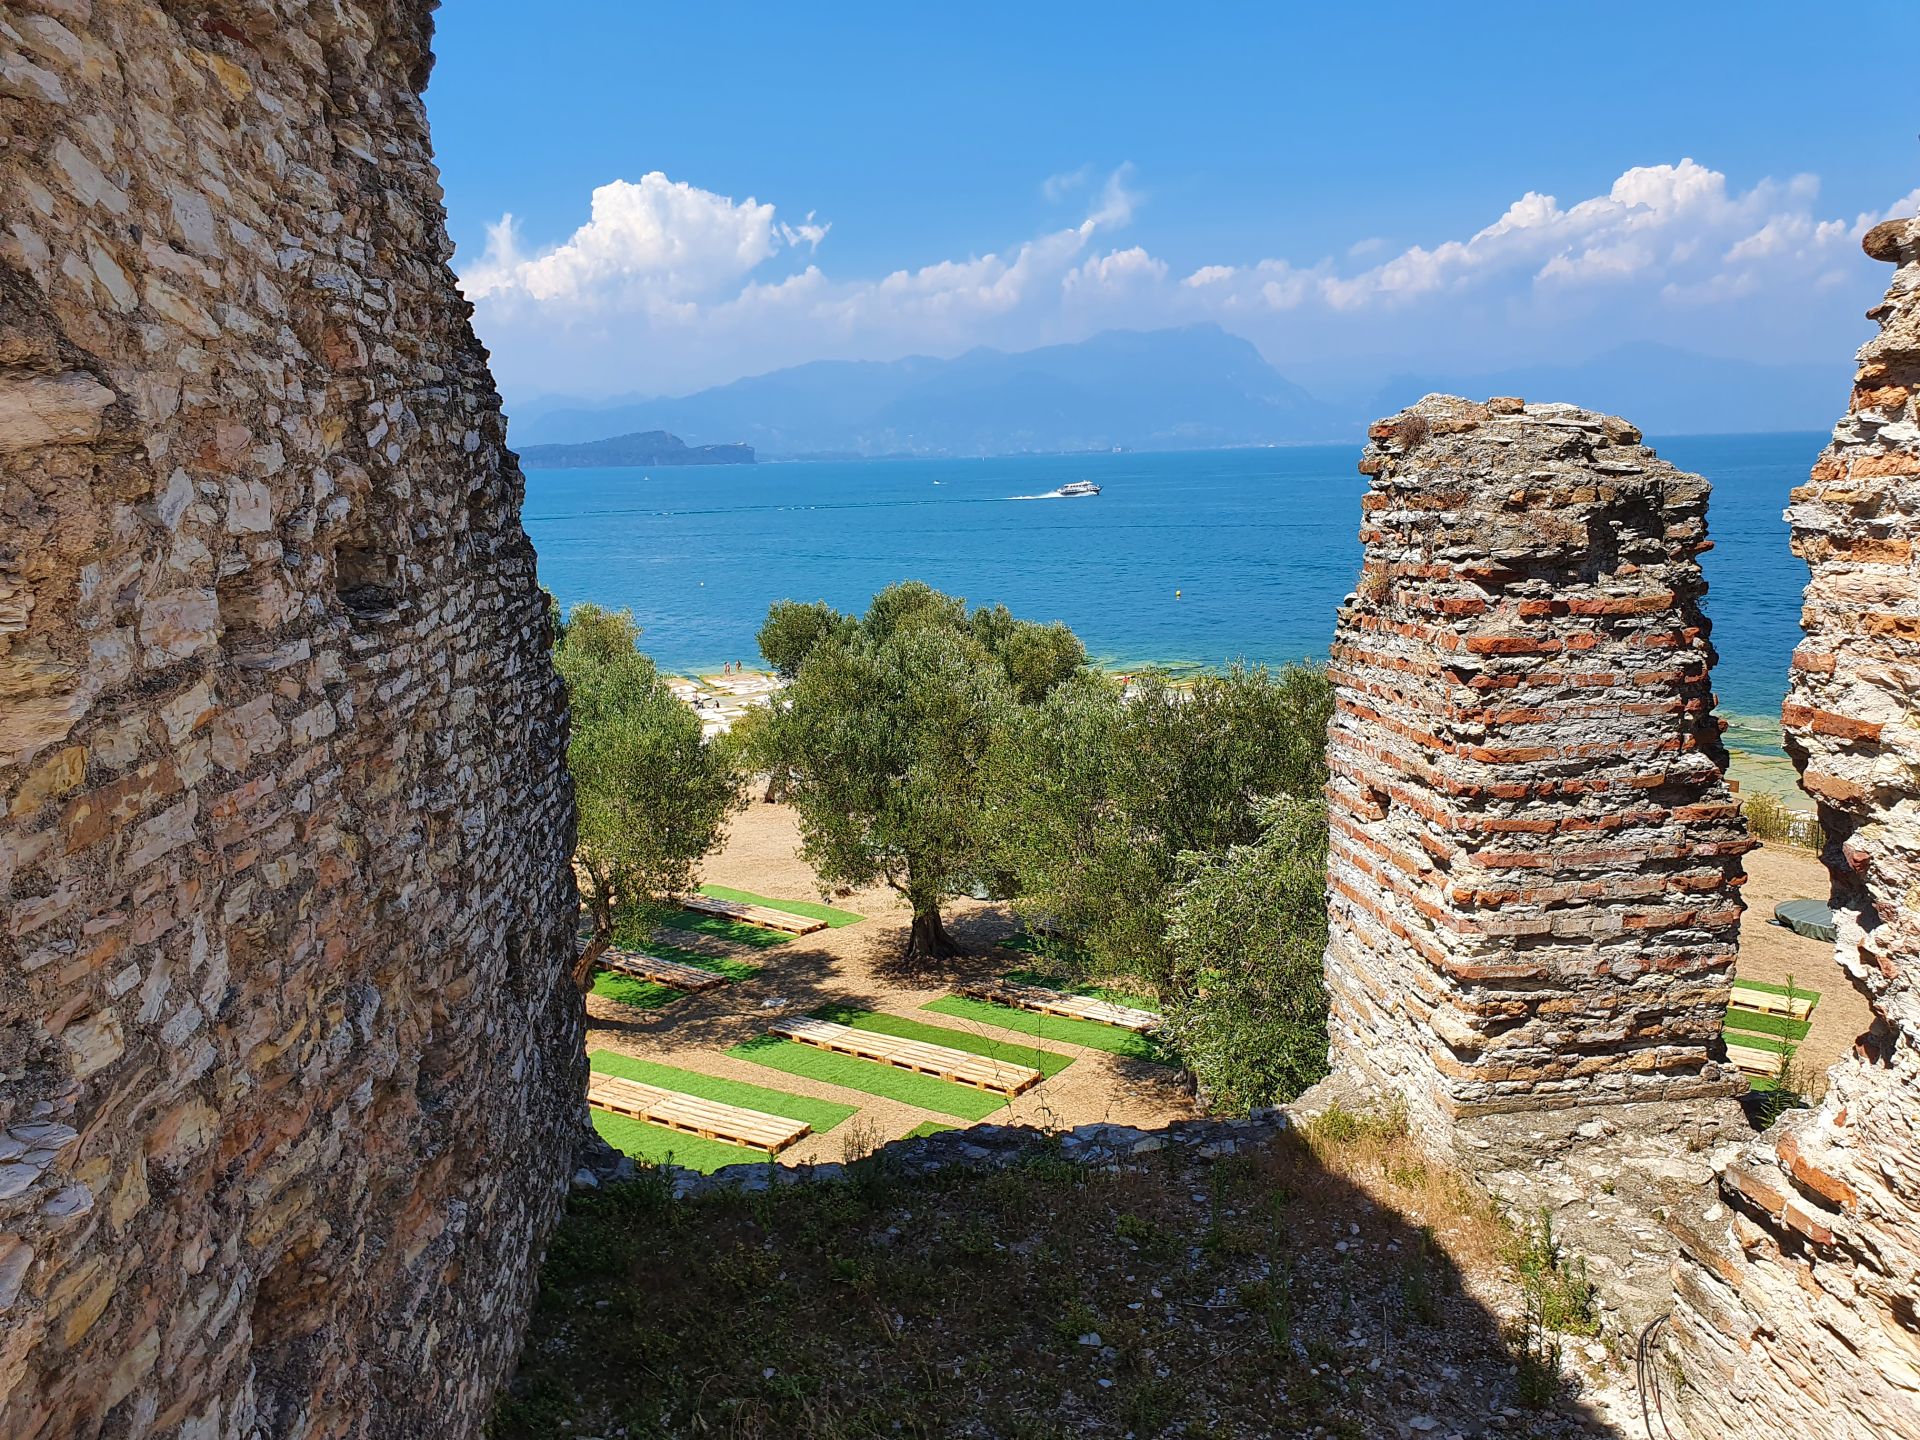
(1065, 492)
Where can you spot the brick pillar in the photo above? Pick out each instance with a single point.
(1535, 858)
(1798, 1297)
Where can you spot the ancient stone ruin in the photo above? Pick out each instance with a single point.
(289, 1067)
(1534, 872)
(1534, 857)
(1798, 1297)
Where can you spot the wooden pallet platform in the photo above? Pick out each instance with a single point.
(689, 1113)
(670, 973)
(1059, 1002)
(1765, 1002)
(761, 915)
(1751, 1061)
(941, 1061)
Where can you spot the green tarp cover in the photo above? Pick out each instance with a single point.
(1806, 917)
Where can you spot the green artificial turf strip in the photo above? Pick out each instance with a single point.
(822, 1115)
(1780, 1025)
(1090, 1033)
(1767, 987)
(719, 964)
(1048, 1062)
(722, 929)
(1091, 991)
(927, 1127)
(632, 990)
(1760, 1042)
(658, 1145)
(806, 909)
(943, 1097)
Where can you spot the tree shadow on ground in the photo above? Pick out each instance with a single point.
(1338, 1285)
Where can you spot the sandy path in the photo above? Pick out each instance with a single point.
(1772, 952)
(861, 965)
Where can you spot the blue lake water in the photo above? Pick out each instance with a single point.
(1194, 558)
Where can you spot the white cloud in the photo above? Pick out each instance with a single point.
(1118, 201)
(659, 235)
(1117, 271)
(1056, 188)
(1209, 275)
(668, 286)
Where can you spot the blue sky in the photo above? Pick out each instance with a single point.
(1349, 187)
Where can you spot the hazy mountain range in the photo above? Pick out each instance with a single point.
(647, 447)
(1192, 388)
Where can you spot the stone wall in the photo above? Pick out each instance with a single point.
(1534, 856)
(289, 1069)
(1798, 1309)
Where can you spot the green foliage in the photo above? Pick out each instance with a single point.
(884, 732)
(793, 629)
(652, 796)
(1339, 1126)
(1097, 797)
(1787, 1088)
(1247, 1009)
(1035, 658)
(1770, 818)
(1562, 1295)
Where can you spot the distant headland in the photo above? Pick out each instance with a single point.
(643, 447)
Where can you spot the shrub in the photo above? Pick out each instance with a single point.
(1247, 929)
(1771, 818)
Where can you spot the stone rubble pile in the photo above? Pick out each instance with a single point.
(290, 1072)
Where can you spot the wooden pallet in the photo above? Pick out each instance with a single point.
(694, 1116)
(761, 915)
(1765, 1002)
(942, 1061)
(1058, 1002)
(670, 973)
(1752, 1061)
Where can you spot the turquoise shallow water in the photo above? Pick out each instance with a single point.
(1196, 558)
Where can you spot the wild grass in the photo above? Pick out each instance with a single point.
(1770, 818)
(1235, 1297)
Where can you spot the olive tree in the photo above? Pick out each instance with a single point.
(652, 796)
(1246, 932)
(1096, 794)
(884, 735)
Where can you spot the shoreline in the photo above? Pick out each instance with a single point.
(1757, 763)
